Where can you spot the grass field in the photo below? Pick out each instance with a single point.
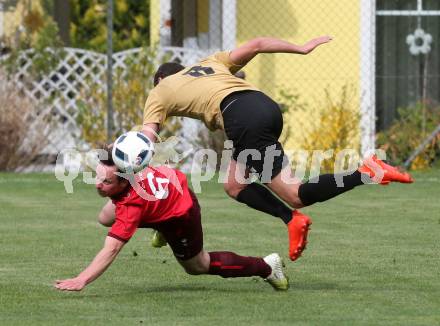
(373, 259)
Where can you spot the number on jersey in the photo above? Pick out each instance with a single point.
(199, 71)
(161, 192)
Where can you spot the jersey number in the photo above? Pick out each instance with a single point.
(161, 192)
(199, 71)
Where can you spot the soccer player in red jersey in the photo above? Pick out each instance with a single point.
(164, 202)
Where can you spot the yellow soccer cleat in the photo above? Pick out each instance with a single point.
(158, 240)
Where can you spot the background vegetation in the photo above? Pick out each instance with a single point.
(88, 29)
(24, 129)
(409, 131)
(336, 128)
(131, 88)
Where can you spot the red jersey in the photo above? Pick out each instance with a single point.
(160, 194)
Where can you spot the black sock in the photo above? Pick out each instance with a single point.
(325, 187)
(260, 198)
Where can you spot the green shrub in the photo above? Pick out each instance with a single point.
(408, 132)
(41, 35)
(336, 128)
(88, 25)
(290, 103)
(131, 87)
(130, 90)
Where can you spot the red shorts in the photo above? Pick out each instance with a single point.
(184, 233)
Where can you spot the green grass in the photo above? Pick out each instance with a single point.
(373, 259)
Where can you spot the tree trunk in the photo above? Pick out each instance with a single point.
(61, 13)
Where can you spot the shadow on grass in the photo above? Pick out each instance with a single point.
(314, 286)
(178, 289)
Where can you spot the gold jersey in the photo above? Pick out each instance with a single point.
(196, 92)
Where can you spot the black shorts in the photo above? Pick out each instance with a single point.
(184, 233)
(253, 121)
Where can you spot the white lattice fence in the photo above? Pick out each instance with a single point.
(61, 88)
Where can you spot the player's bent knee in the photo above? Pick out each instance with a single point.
(197, 265)
(193, 271)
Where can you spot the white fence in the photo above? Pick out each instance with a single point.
(79, 69)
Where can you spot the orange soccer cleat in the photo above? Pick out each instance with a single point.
(298, 228)
(382, 173)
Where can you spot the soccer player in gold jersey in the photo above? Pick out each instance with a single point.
(210, 92)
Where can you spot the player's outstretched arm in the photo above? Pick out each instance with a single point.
(243, 54)
(100, 263)
(151, 130)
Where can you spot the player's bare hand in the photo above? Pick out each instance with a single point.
(72, 284)
(322, 39)
(313, 44)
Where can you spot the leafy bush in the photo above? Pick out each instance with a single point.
(289, 103)
(408, 132)
(24, 129)
(130, 90)
(41, 35)
(337, 127)
(88, 26)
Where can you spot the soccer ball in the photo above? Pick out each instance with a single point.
(132, 151)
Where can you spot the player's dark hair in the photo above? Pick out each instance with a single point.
(166, 69)
(109, 160)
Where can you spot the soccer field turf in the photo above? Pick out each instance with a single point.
(372, 259)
